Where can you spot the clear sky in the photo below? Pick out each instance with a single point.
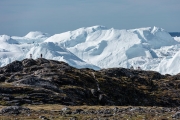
(18, 17)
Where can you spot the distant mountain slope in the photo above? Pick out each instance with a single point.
(109, 48)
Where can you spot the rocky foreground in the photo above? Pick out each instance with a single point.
(41, 82)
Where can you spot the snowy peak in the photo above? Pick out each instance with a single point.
(150, 29)
(35, 35)
(107, 48)
(156, 29)
(7, 39)
(92, 37)
(31, 37)
(72, 38)
(153, 36)
(4, 38)
(91, 29)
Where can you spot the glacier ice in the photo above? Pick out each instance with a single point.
(150, 48)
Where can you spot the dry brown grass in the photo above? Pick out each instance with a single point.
(52, 112)
(59, 107)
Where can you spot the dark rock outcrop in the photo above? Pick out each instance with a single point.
(14, 110)
(176, 115)
(2, 78)
(53, 82)
(15, 66)
(28, 62)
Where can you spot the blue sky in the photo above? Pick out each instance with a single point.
(18, 17)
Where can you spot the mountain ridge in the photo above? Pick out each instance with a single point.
(44, 81)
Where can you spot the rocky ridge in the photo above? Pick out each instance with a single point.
(43, 81)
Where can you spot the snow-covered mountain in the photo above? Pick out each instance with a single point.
(150, 48)
(18, 48)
